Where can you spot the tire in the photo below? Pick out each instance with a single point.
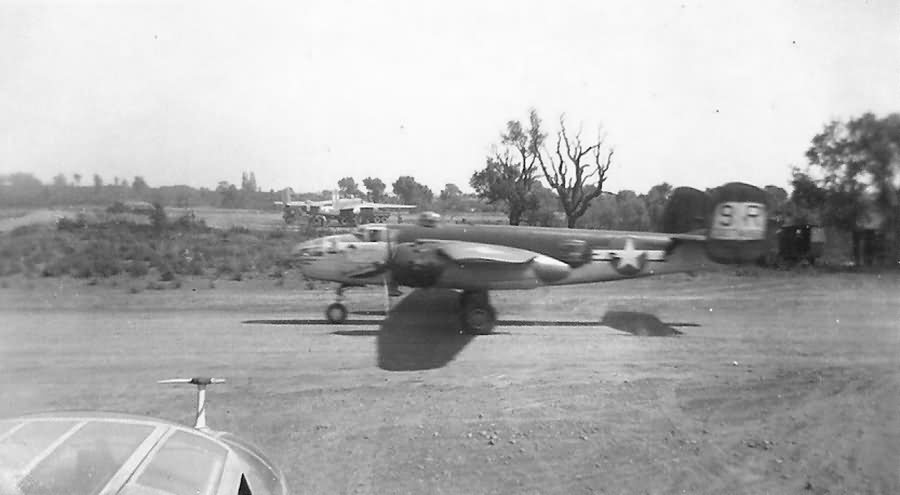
(336, 313)
(477, 315)
(479, 320)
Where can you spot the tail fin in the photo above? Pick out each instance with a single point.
(286, 195)
(737, 227)
(733, 218)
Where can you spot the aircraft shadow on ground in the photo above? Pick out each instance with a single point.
(422, 331)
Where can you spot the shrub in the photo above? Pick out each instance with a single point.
(158, 217)
(24, 230)
(117, 207)
(66, 224)
(138, 268)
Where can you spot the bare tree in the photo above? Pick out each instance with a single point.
(576, 172)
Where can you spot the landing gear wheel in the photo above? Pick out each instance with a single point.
(479, 320)
(478, 316)
(336, 313)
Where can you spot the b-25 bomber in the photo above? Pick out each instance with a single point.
(475, 259)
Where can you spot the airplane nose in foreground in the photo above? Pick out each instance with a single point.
(305, 252)
(549, 269)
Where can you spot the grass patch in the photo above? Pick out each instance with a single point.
(111, 245)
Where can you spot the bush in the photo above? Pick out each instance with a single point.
(138, 268)
(24, 230)
(66, 224)
(158, 218)
(105, 248)
(116, 208)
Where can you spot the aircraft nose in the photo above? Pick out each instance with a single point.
(306, 252)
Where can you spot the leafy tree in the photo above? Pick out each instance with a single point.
(229, 195)
(59, 180)
(807, 199)
(98, 183)
(510, 172)
(348, 188)
(22, 181)
(450, 198)
(602, 214)
(139, 185)
(573, 169)
(546, 213)
(655, 201)
(248, 182)
(859, 165)
(376, 188)
(411, 192)
(451, 191)
(76, 177)
(632, 212)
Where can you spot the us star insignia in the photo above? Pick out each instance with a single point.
(628, 261)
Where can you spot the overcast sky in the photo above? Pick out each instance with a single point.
(303, 93)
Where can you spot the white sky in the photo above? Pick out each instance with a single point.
(305, 92)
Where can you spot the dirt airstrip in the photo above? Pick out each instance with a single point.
(780, 382)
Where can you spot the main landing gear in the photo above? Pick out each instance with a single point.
(476, 313)
(477, 316)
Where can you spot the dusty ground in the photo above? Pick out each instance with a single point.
(780, 384)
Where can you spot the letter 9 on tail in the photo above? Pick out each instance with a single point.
(738, 221)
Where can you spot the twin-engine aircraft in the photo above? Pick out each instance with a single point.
(475, 259)
(347, 211)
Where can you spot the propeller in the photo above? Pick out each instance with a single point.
(201, 382)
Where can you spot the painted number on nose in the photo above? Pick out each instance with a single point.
(739, 221)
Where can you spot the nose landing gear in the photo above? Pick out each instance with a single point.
(336, 312)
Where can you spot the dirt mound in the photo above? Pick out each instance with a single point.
(637, 323)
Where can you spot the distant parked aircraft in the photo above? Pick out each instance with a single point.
(347, 211)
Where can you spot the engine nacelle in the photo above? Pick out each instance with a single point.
(417, 265)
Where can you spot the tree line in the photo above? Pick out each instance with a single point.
(539, 176)
(851, 181)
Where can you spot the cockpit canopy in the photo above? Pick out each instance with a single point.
(372, 233)
(94, 453)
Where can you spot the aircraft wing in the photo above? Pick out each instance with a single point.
(384, 206)
(461, 251)
(290, 203)
(466, 265)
